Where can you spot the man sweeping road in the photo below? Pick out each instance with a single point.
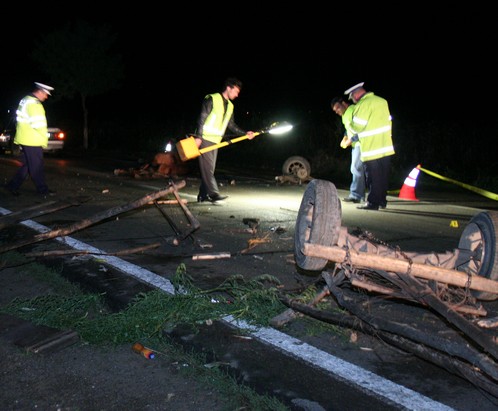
(215, 118)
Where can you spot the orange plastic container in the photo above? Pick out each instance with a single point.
(146, 352)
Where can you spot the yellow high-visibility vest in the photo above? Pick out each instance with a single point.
(217, 121)
(372, 123)
(31, 129)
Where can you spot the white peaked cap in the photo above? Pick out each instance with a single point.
(44, 87)
(351, 89)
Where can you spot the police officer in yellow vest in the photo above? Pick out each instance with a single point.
(372, 126)
(32, 137)
(216, 117)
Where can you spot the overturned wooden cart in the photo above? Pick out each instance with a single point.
(456, 330)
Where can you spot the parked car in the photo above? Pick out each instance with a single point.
(5, 143)
(56, 139)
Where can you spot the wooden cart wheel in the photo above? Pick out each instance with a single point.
(298, 166)
(479, 237)
(318, 222)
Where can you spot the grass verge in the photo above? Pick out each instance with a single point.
(68, 307)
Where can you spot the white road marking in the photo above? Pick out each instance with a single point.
(356, 376)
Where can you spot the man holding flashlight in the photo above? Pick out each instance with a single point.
(215, 118)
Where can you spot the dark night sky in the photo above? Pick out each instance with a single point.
(426, 69)
(435, 68)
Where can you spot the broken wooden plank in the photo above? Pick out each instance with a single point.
(34, 337)
(214, 256)
(173, 202)
(424, 293)
(39, 210)
(60, 232)
(253, 242)
(283, 318)
(55, 342)
(194, 223)
(376, 288)
(57, 253)
(457, 345)
(192, 220)
(438, 356)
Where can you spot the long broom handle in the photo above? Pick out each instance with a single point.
(226, 143)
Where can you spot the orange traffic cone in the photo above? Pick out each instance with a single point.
(407, 192)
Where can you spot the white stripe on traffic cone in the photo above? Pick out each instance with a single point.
(407, 192)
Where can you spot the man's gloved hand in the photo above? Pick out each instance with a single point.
(345, 142)
(355, 138)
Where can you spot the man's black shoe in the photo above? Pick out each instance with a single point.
(217, 197)
(368, 206)
(201, 199)
(351, 200)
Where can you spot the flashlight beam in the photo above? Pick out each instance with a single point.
(280, 128)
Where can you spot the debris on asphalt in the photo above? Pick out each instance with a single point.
(253, 242)
(253, 224)
(214, 256)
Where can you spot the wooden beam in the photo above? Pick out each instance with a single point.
(60, 232)
(377, 262)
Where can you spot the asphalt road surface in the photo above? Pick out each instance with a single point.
(329, 371)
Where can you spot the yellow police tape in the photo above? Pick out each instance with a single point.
(480, 191)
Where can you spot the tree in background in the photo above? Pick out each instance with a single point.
(80, 59)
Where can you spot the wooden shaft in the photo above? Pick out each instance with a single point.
(428, 272)
(87, 222)
(226, 143)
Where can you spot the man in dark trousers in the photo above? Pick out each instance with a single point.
(32, 138)
(372, 127)
(215, 118)
(358, 184)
